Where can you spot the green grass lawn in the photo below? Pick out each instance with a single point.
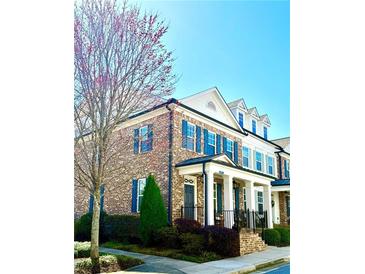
(165, 252)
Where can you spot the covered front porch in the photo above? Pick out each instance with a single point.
(218, 192)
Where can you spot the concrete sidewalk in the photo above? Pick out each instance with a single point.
(242, 264)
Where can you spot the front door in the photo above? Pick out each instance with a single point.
(189, 210)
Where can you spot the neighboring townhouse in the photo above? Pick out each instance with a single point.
(211, 160)
(281, 187)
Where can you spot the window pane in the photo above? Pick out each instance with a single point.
(211, 138)
(143, 133)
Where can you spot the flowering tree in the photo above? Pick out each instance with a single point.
(121, 68)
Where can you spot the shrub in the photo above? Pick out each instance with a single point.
(187, 226)
(272, 237)
(153, 212)
(222, 240)
(82, 227)
(167, 237)
(122, 228)
(284, 235)
(192, 243)
(108, 263)
(82, 249)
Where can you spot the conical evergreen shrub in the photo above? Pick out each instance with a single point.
(153, 215)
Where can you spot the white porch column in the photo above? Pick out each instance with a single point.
(267, 205)
(210, 202)
(228, 201)
(250, 197)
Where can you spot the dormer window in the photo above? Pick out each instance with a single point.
(254, 126)
(265, 132)
(240, 119)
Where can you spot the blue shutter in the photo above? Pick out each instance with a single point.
(224, 144)
(235, 149)
(198, 139)
(136, 141)
(237, 197)
(219, 197)
(134, 195)
(102, 198)
(184, 133)
(91, 203)
(206, 142)
(150, 138)
(218, 144)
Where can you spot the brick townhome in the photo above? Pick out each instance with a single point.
(208, 157)
(281, 187)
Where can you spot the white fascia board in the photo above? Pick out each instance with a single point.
(280, 188)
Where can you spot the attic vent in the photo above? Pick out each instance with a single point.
(211, 106)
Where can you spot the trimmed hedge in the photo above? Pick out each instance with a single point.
(122, 228)
(221, 240)
(82, 249)
(187, 226)
(192, 243)
(82, 227)
(167, 237)
(272, 237)
(284, 235)
(153, 211)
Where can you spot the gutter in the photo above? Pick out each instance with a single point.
(169, 202)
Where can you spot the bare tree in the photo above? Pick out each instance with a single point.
(121, 68)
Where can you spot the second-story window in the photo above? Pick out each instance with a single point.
(265, 133)
(211, 143)
(229, 149)
(190, 137)
(286, 169)
(240, 119)
(143, 136)
(246, 156)
(270, 165)
(143, 139)
(258, 160)
(254, 126)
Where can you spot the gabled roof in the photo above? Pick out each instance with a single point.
(212, 103)
(239, 103)
(199, 160)
(253, 112)
(264, 118)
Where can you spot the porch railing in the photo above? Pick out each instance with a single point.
(236, 219)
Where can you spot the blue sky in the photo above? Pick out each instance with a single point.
(241, 47)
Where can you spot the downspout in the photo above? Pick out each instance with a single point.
(169, 213)
(280, 167)
(205, 196)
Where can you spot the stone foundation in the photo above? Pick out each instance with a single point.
(250, 242)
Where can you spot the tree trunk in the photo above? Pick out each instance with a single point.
(94, 252)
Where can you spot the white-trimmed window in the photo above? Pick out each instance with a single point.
(211, 143)
(254, 126)
(240, 119)
(215, 196)
(140, 189)
(286, 169)
(270, 165)
(190, 137)
(265, 132)
(260, 202)
(230, 148)
(143, 137)
(246, 156)
(258, 160)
